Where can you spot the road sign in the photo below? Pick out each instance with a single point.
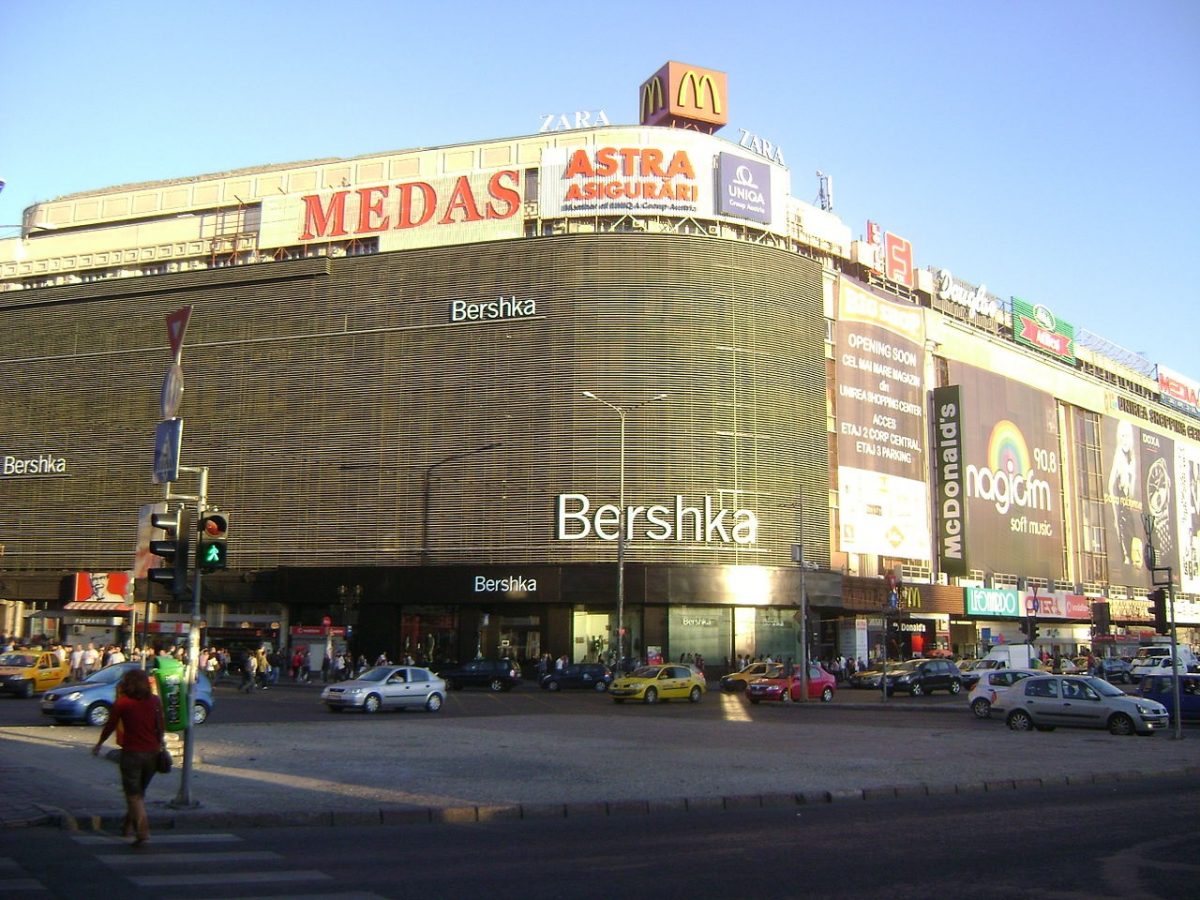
(172, 391)
(177, 323)
(168, 440)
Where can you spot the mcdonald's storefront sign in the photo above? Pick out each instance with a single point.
(683, 96)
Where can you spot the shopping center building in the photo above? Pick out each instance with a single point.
(430, 386)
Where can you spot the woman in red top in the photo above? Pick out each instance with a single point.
(140, 714)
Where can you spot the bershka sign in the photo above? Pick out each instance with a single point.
(511, 584)
(410, 204)
(44, 464)
(951, 493)
(707, 523)
(489, 310)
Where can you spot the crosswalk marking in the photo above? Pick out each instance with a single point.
(177, 879)
(233, 856)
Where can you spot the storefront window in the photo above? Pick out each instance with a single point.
(428, 635)
(775, 634)
(696, 630)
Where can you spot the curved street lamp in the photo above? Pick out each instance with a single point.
(426, 491)
(622, 412)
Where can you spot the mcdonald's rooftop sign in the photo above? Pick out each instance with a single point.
(682, 96)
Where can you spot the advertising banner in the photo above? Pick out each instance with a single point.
(1187, 479)
(1179, 391)
(1012, 474)
(1037, 327)
(881, 425)
(995, 602)
(948, 481)
(670, 177)
(743, 188)
(110, 591)
(1140, 482)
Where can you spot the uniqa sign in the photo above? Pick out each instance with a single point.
(708, 523)
(993, 602)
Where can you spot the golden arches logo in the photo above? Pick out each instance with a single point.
(652, 97)
(699, 83)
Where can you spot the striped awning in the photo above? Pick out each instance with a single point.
(98, 606)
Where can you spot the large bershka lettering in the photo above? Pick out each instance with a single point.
(707, 523)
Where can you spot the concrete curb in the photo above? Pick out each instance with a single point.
(198, 818)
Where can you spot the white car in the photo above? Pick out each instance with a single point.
(990, 690)
(387, 687)
(1153, 665)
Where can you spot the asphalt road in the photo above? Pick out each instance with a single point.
(1134, 841)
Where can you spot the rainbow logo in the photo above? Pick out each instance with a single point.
(1007, 451)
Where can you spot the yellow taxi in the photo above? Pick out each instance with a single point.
(653, 683)
(29, 672)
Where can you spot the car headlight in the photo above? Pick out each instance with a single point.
(74, 695)
(1146, 710)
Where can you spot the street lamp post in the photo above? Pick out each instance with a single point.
(426, 492)
(622, 412)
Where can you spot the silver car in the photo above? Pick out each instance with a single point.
(387, 687)
(992, 690)
(1046, 701)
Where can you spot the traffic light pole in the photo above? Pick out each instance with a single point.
(1170, 601)
(184, 798)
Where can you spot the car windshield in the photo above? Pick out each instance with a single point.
(645, 672)
(106, 676)
(17, 659)
(375, 674)
(1104, 688)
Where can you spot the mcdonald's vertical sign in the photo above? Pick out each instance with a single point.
(683, 96)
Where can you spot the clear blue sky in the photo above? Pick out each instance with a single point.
(1048, 149)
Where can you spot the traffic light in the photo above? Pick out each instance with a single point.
(1100, 618)
(173, 549)
(1158, 609)
(1033, 629)
(212, 551)
(1024, 626)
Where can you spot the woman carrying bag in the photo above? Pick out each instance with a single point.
(139, 712)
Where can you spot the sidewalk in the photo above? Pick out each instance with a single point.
(417, 767)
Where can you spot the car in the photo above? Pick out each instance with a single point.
(1046, 701)
(494, 674)
(29, 672)
(650, 684)
(1112, 668)
(869, 677)
(924, 676)
(737, 681)
(595, 676)
(1154, 665)
(1162, 689)
(90, 701)
(990, 691)
(387, 687)
(821, 686)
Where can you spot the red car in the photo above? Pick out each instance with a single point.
(821, 686)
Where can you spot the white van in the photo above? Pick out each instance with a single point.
(1156, 660)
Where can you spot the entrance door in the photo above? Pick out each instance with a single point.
(592, 633)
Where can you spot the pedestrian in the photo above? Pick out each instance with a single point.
(249, 669)
(78, 673)
(140, 715)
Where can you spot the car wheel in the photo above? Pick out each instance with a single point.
(372, 703)
(955, 687)
(916, 690)
(827, 695)
(601, 687)
(1019, 720)
(1120, 724)
(27, 690)
(694, 694)
(199, 713)
(651, 696)
(981, 708)
(553, 685)
(433, 703)
(97, 714)
(496, 685)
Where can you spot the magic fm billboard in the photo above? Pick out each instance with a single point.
(997, 476)
(883, 494)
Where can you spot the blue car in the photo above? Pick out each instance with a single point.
(1162, 689)
(89, 701)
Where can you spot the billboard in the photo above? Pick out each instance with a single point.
(1140, 481)
(743, 188)
(106, 591)
(1012, 475)
(883, 494)
(684, 96)
(951, 508)
(1179, 391)
(1037, 327)
(1187, 493)
(669, 178)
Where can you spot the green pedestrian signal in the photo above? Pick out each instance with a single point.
(212, 552)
